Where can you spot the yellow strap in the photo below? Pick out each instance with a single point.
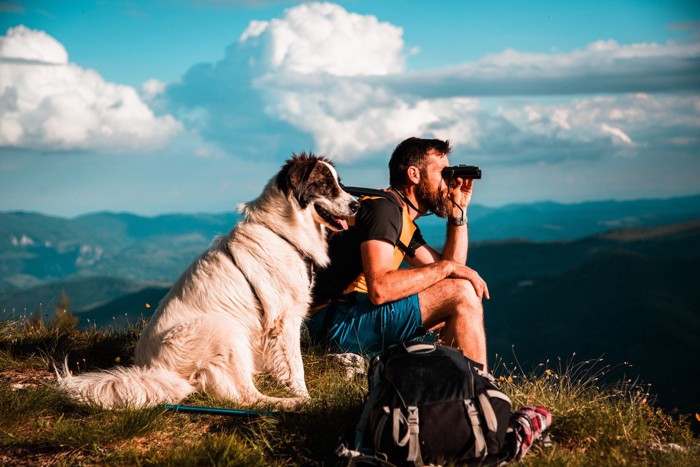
(408, 228)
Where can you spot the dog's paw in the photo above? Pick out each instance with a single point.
(293, 403)
(298, 388)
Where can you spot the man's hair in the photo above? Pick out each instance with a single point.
(413, 151)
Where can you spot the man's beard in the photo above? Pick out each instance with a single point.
(437, 202)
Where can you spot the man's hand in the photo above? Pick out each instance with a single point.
(460, 192)
(467, 273)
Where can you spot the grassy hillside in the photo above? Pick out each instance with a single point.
(593, 424)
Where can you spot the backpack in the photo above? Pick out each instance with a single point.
(428, 403)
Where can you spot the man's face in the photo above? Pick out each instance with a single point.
(432, 188)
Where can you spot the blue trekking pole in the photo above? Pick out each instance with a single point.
(216, 410)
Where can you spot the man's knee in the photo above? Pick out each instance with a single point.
(467, 303)
(465, 294)
(449, 299)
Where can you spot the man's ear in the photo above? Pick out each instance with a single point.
(413, 174)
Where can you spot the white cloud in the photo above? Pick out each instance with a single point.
(339, 78)
(352, 113)
(601, 67)
(50, 104)
(152, 89)
(617, 133)
(306, 62)
(326, 38)
(25, 44)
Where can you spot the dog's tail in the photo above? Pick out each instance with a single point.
(124, 387)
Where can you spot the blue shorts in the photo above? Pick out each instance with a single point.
(356, 325)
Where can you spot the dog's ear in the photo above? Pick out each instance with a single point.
(294, 177)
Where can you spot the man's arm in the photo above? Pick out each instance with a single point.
(456, 247)
(457, 241)
(385, 284)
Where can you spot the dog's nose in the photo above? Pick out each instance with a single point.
(354, 206)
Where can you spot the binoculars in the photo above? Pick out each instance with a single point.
(461, 171)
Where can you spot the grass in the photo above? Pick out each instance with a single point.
(595, 423)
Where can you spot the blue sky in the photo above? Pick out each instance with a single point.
(182, 106)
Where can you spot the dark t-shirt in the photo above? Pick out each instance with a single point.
(377, 219)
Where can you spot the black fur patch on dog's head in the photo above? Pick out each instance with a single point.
(307, 178)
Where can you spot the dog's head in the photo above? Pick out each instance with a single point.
(313, 182)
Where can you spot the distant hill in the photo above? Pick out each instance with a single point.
(124, 310)
(629, 295)
(84, 294)
(553, 221)
(36, 249)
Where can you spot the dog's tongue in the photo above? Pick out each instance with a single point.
(343, 223)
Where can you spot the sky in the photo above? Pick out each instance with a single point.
(156, 107)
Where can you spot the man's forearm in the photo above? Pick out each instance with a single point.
(457, 243)
(394, 285)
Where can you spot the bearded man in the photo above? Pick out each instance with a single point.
(364, 301)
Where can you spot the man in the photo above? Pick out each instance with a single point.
(363, 302)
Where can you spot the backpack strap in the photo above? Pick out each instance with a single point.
(414, 441)
(487, 408)
(411, 437)
(498, 395)
(489, 414)
(391, 196)
(420, 348)
(479, 440)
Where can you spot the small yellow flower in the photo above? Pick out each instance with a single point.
(148, 305)
(510, 379)
(549, 372)
(501, 378)
(118, 359)
(697, 416)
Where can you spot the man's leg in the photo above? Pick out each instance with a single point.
(455, 303)
(362, 327)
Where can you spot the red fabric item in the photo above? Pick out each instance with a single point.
(528, 425)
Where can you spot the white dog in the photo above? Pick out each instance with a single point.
(238, 309)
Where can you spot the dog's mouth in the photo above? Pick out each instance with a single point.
(334, 222)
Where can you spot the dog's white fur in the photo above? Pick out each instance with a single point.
(236, 311)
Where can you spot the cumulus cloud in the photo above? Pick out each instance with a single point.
(51, 104)
(351, 115)
(235, 101)
(326, 38)
(321, 73)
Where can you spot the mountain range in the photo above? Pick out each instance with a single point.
(36, 249)
(626, 294)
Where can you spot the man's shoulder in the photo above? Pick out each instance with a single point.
(381, 203)
(379, 218)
